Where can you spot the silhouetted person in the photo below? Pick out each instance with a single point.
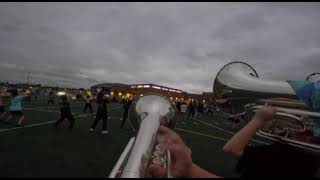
(65, 112)
(51, 98)
(125, 112)
(102, 114)
(178, 105)
(191, 109)
(88, 104)
(210, 109)
(16, 108)
(200, 109)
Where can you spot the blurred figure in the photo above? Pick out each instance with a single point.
(191, 109)
(65, 113)
(123, 101)
(51, 98)
(100, 97)
(16, 107)
(200, 110)
(178, 105)
(37, 93)
(184, 107)
(210, 108)
(224, 106)
(88, 104)
(2, 105)
(126, 107)
(102, 114)
(276, 159)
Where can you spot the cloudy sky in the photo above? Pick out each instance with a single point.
(181, 45)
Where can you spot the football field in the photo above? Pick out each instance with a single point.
(40, 150)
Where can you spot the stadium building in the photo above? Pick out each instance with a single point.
(118, 92)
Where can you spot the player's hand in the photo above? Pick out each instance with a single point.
(181, 161)
(264, 114)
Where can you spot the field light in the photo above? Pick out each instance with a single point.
(111, 93)
(119, 93)
(61, 93)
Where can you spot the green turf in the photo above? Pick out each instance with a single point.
(45, 151)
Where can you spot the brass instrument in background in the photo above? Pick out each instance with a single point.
(146, 114)
(246, 92)
(313, 77)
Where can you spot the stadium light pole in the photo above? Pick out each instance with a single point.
(28, 77)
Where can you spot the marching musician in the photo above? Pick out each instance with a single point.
(272, 160)
(278, 158)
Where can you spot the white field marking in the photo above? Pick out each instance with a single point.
(224, 130)
(202, 134)
(39, 124)
(39, 107)
(56, 106)
(43, 110)
(221, 129)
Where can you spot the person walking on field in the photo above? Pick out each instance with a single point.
(102, 114)
(16, 107)
(88, 104)
(125, 112)
(65, 113)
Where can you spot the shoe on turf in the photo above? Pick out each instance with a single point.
(90, 130)
(105, 132)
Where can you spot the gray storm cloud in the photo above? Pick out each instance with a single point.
(181, 45)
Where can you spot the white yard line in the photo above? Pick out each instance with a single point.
(202, 134)
(211, 125)
(224, 130)
(38, 124)
(39, 107)
(41, 110)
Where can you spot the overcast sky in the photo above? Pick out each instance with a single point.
(180, 45)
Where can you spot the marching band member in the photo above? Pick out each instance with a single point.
(272, 160)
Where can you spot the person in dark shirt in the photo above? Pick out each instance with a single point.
(191, 109)
(210, 109)
(200, 110)
(2, 105)
(276, 159)
(102, 114)
(65, 112)
(88, 104)
(125, 112)
(178, 105)
(99, 97)
(51, 98)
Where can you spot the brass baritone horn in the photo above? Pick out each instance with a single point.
(246, 92)
(146, 114)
